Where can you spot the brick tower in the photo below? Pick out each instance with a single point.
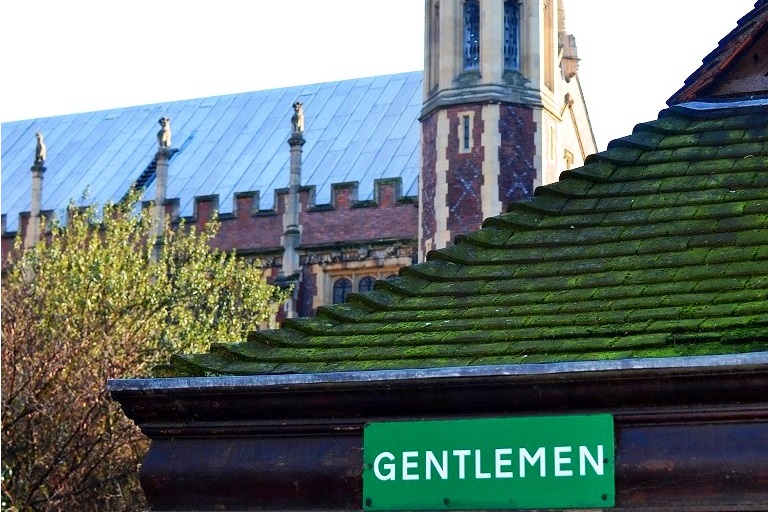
(503, 110)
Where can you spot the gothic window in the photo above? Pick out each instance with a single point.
(366, 284)
(471, 34)
(512, 35)
(341, 289)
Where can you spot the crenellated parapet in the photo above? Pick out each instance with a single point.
(249, 228)
(7, 238)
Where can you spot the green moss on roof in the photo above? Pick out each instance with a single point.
(657, 247)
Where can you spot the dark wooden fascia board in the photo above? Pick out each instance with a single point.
(472, 391)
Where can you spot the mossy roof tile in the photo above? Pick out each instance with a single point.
(708, 125)
(597, 171)
(406, 285)
(694, 153)
(574, 187)
(490, 236)
(626, 217)
(757, 162)
(620, 155)
(375, 300)
(754, 206)
(719, 138)
(756, 133)
(572, 221)
(614, 203)
(710, 166)
(310, 326)
(756, 120)
(667, 122)
(348, 312)
(657, 247)
(652, 157)
(679, 140)
(542, 202)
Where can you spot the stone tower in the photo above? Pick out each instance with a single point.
(503, 110)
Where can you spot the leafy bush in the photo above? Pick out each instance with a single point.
(87, 304)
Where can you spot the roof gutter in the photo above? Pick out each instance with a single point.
(664, 364)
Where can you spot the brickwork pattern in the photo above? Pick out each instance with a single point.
(464, 177)
(249, 230)
(518, 148)
(351, 220)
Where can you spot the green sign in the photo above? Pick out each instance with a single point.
(497, 463)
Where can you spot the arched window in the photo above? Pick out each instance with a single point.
(512, 35)
(471, 34)
(366, 284)
(341, 289)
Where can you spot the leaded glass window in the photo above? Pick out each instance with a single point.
(366, 284)
(471, 34)
(512, 35)
(341, 289)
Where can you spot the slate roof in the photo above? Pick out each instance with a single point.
(356, 130)
(657, 247)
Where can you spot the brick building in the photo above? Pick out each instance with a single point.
(388, 168)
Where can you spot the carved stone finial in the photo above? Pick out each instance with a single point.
(164, 135)
(297, 121)
(569, 62)
(40, 151)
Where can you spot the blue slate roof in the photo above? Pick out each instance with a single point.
(356, 130)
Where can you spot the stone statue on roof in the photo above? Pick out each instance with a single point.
(164, 135)
(297, 121)
(40, 150)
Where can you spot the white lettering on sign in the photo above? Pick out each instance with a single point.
(500, 463)
(532, 459)
(561, 460)
(415, 465)
(408, 464)
(478, 472)
(389, 467)
(584, 456)
(442, 469)
(462, 455)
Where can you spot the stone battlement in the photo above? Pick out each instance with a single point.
(250, 229)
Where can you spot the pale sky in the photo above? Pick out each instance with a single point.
(61, 57)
